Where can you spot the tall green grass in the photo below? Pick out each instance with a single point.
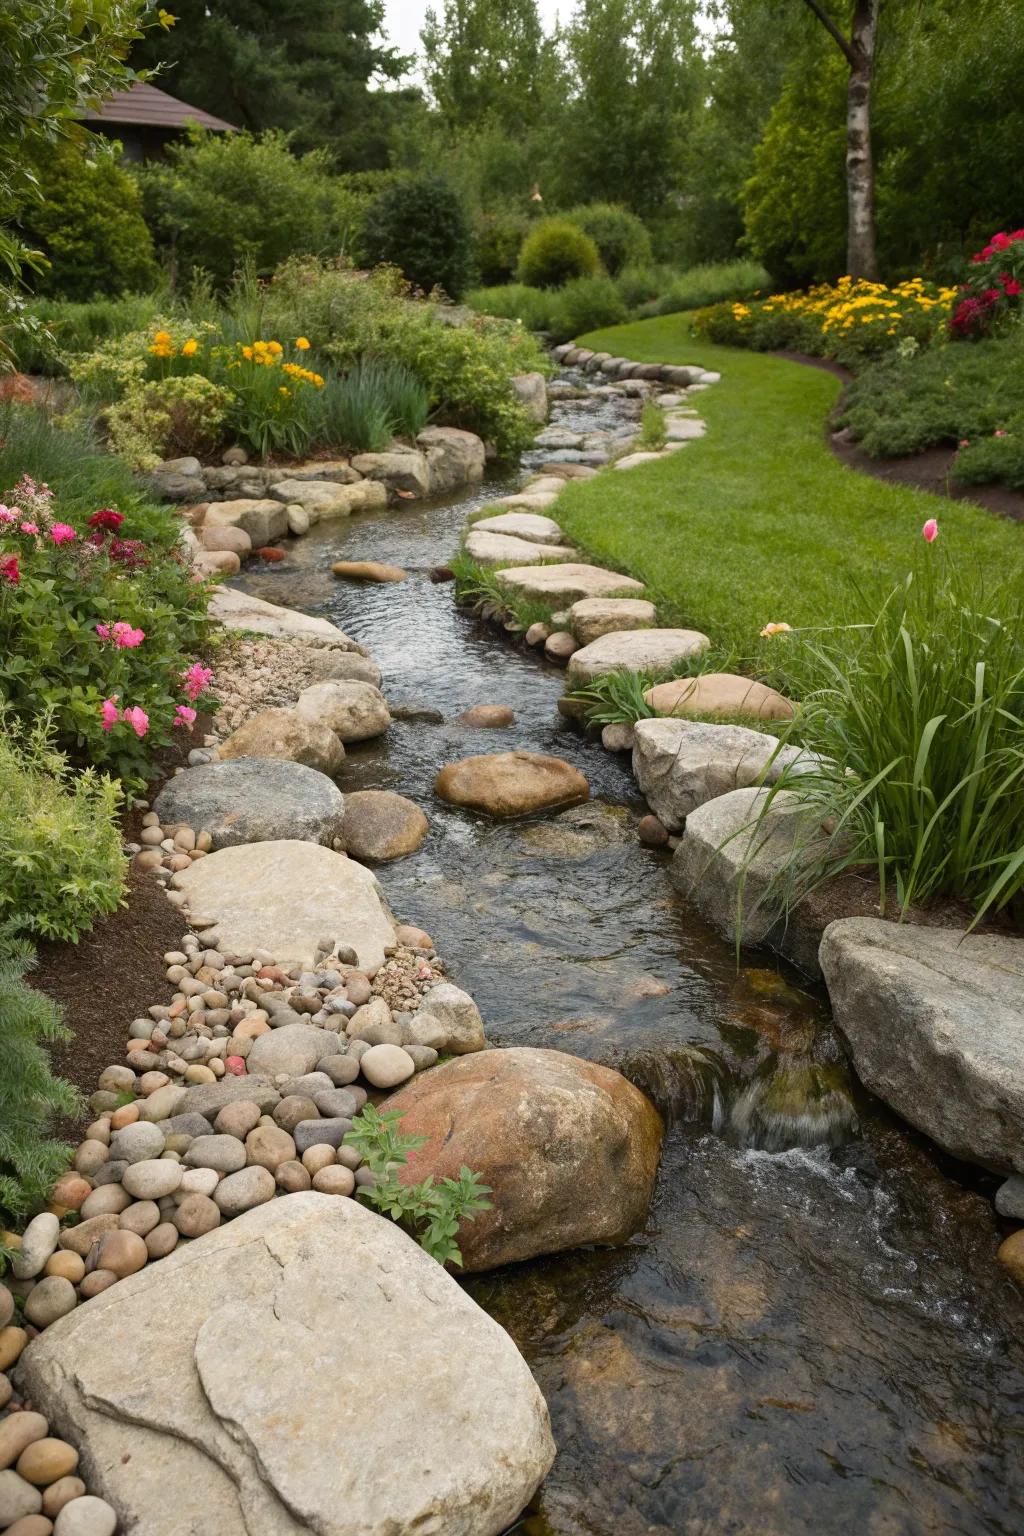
(712, 283)
(374, 402)
(80, 327)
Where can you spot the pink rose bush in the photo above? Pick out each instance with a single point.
(991, 292)
(99, 628)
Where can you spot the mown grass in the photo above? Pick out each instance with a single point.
(757, 522)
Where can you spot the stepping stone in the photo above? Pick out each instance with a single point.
(593, 617)
(380, 825)
(238, 610)
(558, 437)
(526, 501)
(635, 650)
(683, 429)
(284, 896)
(263, 520)
(680, 764)
(510, 784)
(719, 693)
(564, 471)
(522, 525)
(493, 548)
(368, 570)
(568, 582)
(254, 800)
(634, 460)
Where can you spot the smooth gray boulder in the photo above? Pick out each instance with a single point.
(454, 458)
(680, 764)
(323, 1375)
(935, 1023)
(254, 800)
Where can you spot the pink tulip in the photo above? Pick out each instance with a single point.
(137, 719)
(111, 714)
(930, 531)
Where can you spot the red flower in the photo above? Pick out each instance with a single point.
(107, 518)
(127, 552)
(1011, 285)
(9, 570)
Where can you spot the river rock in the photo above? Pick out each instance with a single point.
(136, 1142)
(679, 764)
(326, 499)
(242, 1191)
(562, 585)
(570, 1149)
(726, 856)
(283, 896)
(448, 1020)
(208, 1099)
(263, 520)
(719, 693)
(487, 717)
(17, 1498)
(53, 1297)
(455, 458)
(531, 526)
(511, 783)
(293, 1049)
(290, 734)
(385, 1066)
(199, 1407)
(368, 570)
(398, 471)
(38, 1243)
(379, 825)
(353, 711)
(240, 611)
(221, 1154)
(254, 800)
(501, 548)
(593, 617)
(153, 1178)
(935, 1023)
(531, 391)
(636, 650)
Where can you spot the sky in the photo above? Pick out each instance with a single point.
(404, 18)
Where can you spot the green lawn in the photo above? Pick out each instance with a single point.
(757, 522)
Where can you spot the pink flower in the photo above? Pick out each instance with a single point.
(126, 638)
(137, 719)
(30, 527)
(999, 432)
(62, 533)
(965, 442)
(110, 713)
(195, 679)
(103, 630)
(930, 531)
(7, 515)
(184, 715)
(9, 569)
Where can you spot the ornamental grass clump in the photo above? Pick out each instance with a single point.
(915, 726)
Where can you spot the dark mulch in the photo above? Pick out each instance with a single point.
(110, 977)
(930, 471)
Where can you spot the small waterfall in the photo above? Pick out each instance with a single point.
(792, 1101)
(686, 1082)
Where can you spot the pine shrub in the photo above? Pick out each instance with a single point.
(419, 226)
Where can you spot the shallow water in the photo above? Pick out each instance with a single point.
(812, 1333)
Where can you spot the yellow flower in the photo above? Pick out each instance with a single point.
(302, 343)
(160, 349)
(275, 347)
(283, 389)
(162, 338)
(190, 348)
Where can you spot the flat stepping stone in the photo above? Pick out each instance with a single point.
(522, 525)
(634, 460)
(510, 784)
(368, 570)
(284, 896)
(254, 800)
(495, 548)
(719, 693)
(568, 582)
(593, 617)
(558, 437)
(635, 650)
(526, 501)
(683, 429)
(238, 610)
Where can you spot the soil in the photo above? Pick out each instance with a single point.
(931, 470)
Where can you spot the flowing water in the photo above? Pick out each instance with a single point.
(811, 1334)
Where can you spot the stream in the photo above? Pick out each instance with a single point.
(811, 1334)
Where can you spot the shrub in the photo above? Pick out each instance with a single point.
(653, 432)
(331, 304)
(997, 459)
(555, 251)
(621, 238)
(990, 296)
(98, 628)
(419, 226)
(88, 226)
(222, 198)
(30, 1095)
(712, 283)
(168, 418)
(498, 236)
(515, 301)
(80, 328)
(640, 285)
(917, 721)
(585, 304)
(60, 847)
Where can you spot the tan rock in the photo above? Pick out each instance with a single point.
(719, 693)
(500, 1113)
(263, 520)
(122, 1252)
(268, 1146)
(593, 617)
(511, 783)
(17, 1431)
(380, 825)
(635, 650)
(368, 570)
(487, 717)
(226, 537)
(501, 548)
(353, 710)
(46, 1460)
(60, 1493)
(568, 583)
(289, 734)
(531, 526)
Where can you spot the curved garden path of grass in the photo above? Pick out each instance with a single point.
(758, 522)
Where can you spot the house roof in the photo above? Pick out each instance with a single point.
(146, 107)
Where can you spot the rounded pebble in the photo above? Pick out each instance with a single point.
(123, 1253)
(46, 1460)
(87, 1516)
(50, 1299)
(334, 1180)
(60, 1493)
(18, 1431)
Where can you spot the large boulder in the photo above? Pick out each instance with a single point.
(511, 783)
(455, 458)
(289, 734)
(284, 897)
(354, 711)
(569, 1149)
(719, 693)
(495, 548)
(531, 391)
(325, 499)
(735, 867)
(379, 825)
(635, 650)
(534, 527)
(679, 764)
(935, 1023)
(593, 617)
(241, 611)
(561, 585)
(254, 800)
(405, 471)
(263, 520)
(322, 1374)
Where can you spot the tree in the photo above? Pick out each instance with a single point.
(306, 66)
(859, 52)
(56, 58)
(485, 59)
